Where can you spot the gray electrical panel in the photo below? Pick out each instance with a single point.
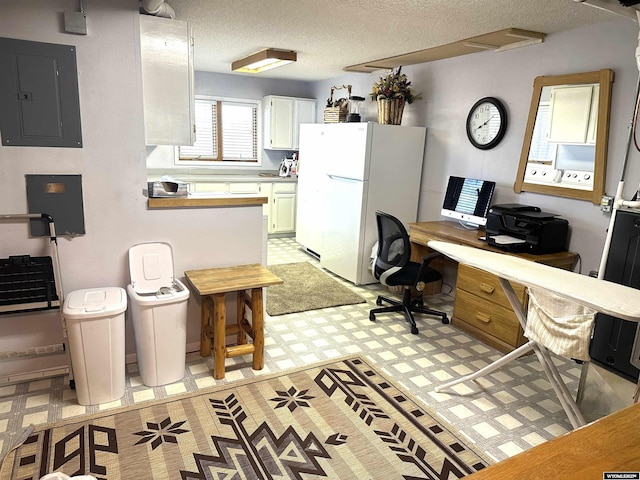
(59, 196)
(39, 98)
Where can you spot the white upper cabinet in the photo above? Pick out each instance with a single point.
(304, 112)
(573, 114)
(282, 119)
(166, 52)
(278, 123)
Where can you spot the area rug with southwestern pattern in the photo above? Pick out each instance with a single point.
(341, 419)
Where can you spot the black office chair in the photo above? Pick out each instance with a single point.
(393, 267)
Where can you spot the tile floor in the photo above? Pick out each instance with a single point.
(503, 413)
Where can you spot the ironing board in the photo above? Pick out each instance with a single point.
(606, 297)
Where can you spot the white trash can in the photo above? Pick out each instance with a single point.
(158, 313)
(95, 326)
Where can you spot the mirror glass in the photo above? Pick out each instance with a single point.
(564, 151)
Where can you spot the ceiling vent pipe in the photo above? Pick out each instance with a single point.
(158, 8)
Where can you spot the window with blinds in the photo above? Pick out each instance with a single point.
(226, 130)
(541, 150)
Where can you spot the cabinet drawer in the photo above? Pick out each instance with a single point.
(486, 285)
(242, 187)
(284, 187)
(210, 187)
(489, 317)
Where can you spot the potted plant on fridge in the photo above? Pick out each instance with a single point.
(391, 93)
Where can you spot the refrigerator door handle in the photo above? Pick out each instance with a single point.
(343, 179)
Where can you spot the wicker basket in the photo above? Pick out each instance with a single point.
(335, 114)
(390, 111)
(336, 111)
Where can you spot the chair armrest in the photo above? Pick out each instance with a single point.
(426, 260)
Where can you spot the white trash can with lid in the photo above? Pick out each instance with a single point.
(94, 320)
(158, 314)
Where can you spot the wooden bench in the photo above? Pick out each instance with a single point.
(212, 284)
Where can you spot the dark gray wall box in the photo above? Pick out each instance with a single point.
(39, 103)
(59, 196)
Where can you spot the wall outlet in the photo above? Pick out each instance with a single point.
(606, 204)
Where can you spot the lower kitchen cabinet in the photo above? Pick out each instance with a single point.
(280, 209)
(282, 218)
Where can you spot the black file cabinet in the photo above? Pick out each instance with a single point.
(613, 338)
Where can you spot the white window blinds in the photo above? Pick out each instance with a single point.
(206, 144)
(541, 150)
(239, 127)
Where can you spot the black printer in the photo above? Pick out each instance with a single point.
(523, 228)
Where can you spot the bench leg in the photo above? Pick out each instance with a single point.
(206, 305)
(219, 335)
(241, 313)
(257, 320)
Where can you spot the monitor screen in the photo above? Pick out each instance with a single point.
(468, 200)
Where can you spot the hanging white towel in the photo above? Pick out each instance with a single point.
(564, 327)
(62, 476)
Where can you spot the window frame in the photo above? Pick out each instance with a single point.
(228, 163)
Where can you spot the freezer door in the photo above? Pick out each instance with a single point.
(348, 150)
(343, 227)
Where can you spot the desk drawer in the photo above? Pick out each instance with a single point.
(486, 285)
(489, 317)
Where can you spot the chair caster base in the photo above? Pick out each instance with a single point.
(414, 330)
(445, 320)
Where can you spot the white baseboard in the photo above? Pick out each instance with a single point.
(21, 377)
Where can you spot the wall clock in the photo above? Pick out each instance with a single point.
(486, 123)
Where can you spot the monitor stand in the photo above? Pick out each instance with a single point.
(467, 225)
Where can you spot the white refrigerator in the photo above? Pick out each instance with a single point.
(347, 171)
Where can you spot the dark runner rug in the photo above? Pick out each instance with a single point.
(306, 288)
(340, 420)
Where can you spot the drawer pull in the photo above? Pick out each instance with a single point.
(485, 287)
(483, 317)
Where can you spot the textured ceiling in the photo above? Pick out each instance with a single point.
(330, 35)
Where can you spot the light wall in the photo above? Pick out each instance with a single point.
(113, 169)
(450, 87)
(113, 166)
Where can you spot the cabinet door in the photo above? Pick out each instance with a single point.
(569, 114)
(283, 213)
(305, 112)
(279, 123)
(593, 116)
(266, 191)
(166, 52)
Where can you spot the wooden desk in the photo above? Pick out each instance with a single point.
(213, 284)
(481, 308)
(610, 444)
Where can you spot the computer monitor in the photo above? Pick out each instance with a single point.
(468, 200)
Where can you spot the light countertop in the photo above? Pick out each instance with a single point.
(253, 176)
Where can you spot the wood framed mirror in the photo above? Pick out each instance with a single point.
(564, 151)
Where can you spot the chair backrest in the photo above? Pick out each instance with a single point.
(394, 248)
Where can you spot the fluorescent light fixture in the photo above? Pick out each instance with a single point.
(264, 60)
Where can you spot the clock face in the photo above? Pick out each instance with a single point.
(486, 123)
